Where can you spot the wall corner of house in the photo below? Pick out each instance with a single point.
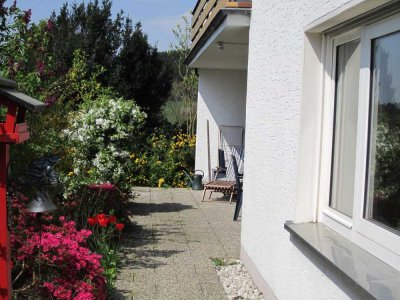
(258, 279)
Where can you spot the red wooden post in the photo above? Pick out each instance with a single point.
(5, 252)
(13, 131)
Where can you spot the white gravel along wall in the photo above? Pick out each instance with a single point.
(237, 282)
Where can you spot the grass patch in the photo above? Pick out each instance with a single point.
(221, 262)
(218, 262)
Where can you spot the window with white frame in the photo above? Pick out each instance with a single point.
(360, 167)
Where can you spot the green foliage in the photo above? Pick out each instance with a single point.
(81, 83)
(218, 262)
(24, 56)
(139, 73)
(129, 64)
(386, 168)
(86, 67)
(181, 107)
(90, 28)
(63, 96)
(387, 176)
(100, 136)
(221, 262)
(165, 157)
(104, 240)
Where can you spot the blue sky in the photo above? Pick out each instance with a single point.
(158, 17)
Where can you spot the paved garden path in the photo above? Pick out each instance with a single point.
(167, 255)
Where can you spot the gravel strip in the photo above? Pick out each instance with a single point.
(236, 280)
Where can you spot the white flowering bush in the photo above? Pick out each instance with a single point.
(101, 136)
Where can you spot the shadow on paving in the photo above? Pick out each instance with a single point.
(146, 259)
(165, 253)
(144, 209)
(119, 294)
(139, 246)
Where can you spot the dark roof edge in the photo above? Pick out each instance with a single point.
(8, 83)
(22, 99)
(8, 90)
(219, 18)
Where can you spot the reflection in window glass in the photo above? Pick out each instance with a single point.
(345, 127)
(383, 201)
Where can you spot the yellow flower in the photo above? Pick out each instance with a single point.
(71, 174)
(132, 155)
(158, 162)
(161, 182)
(90, 171)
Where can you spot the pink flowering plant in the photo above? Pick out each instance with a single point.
(52, 259)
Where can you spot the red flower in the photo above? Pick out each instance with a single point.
(119, 226)
(112, 219)
(102, 186)
(103, 220)
(92, 221)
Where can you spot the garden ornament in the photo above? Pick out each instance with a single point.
(13, 130)
(41, 172)
(41, 203)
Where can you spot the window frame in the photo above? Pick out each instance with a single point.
(332, 42)
(374, 238)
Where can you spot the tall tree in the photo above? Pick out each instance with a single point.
(180, 109)
(132, 66)
(90, 28)
(140, 73)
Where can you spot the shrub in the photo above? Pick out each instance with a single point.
(52, 258)
(94, 199)
(167, 157)
(101, 136)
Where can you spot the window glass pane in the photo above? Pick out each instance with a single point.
(345, 127)
(384, 159)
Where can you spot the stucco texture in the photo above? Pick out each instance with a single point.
(274, 95)
(222, 101)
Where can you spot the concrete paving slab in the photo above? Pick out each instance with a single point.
(166, 255)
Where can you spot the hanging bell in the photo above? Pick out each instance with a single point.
(41, 202)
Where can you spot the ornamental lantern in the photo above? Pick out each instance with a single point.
(13, 130)
(40, 174)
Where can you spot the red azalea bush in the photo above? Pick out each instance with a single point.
(53, 259)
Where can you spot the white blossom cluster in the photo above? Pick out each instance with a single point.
(100, 136)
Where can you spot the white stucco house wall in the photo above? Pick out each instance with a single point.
(308, 80)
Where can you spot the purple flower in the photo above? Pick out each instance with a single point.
(50, 100)
(27, 16)
(49, 25)
(40, 67)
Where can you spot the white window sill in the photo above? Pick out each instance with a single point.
(362, 269)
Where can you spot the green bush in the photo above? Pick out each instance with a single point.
(167, 157)
(101, 137)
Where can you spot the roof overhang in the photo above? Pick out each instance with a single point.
(225, 43)
(8, 90)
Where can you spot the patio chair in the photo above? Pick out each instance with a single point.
(220, 170)
(239, 189)
(226, 185)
